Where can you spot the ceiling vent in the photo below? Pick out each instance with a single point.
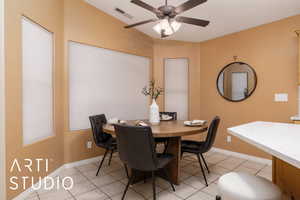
(122, 12)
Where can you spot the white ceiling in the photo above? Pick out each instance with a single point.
(225, 16)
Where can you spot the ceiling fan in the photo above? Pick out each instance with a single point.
(167, 15)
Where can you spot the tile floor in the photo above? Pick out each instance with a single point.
(110, 183)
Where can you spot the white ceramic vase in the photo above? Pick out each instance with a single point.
(154, 113)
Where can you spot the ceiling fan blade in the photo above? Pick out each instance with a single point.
(193, 21)
(140, 23)
(188, 5)
(145, 6)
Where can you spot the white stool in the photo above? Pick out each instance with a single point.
(242, 186)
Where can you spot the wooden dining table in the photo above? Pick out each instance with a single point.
(174, 130)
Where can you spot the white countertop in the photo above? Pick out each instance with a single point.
(278, 139)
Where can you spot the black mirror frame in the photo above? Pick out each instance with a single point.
(255, 79)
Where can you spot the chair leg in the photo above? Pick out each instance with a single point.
(127, 186)
(102, 162)
(168, 178)
(205, 162)
(126, 170)
(153, 185)
(111, 153)
(203, 172)
(166, 147)
(145, 177)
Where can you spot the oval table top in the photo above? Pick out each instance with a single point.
(165, 129)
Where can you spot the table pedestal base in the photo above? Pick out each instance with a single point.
(173, 168)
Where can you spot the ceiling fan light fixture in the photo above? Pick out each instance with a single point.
(175, 25)
(167, 26)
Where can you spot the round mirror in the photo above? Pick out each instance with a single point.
(237, 81)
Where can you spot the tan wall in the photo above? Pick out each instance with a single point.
(48, 13)
(86, 24)
(272, 51)
(298, 32)
(2, 106)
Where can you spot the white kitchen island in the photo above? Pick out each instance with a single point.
(282, 141)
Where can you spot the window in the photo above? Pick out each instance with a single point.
(37, 97)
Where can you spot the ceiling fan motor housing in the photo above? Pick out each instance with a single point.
(166, 11)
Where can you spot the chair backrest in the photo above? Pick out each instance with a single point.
(97, 121)
(136, 147)
(171, 114)
(211, 134)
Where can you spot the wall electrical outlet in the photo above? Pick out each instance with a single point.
(89, 144)
(228, 138)
(281, 97)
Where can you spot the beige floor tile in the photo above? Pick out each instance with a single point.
(103, 180)
(210, 153)
(108, 169)
(265, 175)
(216, 158)
(130, 195)
(218, 170)
(212, 189)
(162, 183)
(145, 189)
(246, 170)
(83, 187)
(119, 174)
(191, 168)
(231, 163)
(57, 194)
(253, 165)
(92, 195)
(87, 167)
(183, 190)
(76, 178)
(92, 174)
(267, 169)
(201, 196)
(184, 176)
(194, 182)
(32, 197)
(185, 162)
(113, 188)
(166, 195)
(211, 177)
(68, 172)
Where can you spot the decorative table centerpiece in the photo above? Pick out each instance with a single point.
(154, 92)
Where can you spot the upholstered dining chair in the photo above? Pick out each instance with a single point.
(101, 138)
(164, 140)
(199, 148)
(137, 151)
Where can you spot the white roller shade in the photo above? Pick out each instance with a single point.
(37, 65)
(105, 81)
(176, 87)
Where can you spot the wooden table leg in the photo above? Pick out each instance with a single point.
(173, 168)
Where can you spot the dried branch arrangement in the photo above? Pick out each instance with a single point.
(153, 91)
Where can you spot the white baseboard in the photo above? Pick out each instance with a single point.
(82, 162)
(243, 156)
(27, 192)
